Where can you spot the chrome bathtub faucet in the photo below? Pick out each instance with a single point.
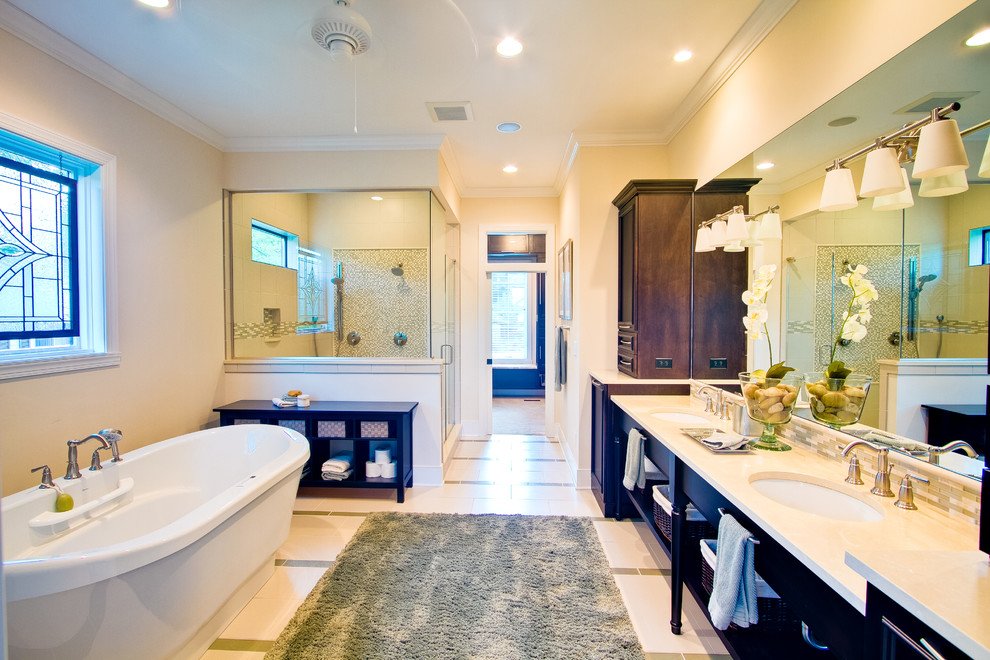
(113, 436)
(72, 470)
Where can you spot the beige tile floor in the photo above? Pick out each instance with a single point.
(508, 474)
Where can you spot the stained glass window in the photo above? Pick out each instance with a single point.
(312, 293)
(39, 261)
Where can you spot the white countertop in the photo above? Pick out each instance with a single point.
(819, 542)
(948, 591)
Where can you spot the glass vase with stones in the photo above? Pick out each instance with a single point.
(837, 402)
(770, 401)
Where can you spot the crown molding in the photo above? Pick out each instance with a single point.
(28, 29)
(759, 24)
(430, 142)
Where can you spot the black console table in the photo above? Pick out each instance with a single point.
(957, 421)
(334, 427)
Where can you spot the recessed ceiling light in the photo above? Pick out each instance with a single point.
(508, 127)
(508, 47)
(842, 121)
(981, 38)
(377, 198)
(158, 4)
(683, 56)
(509, 169)
(765, 165)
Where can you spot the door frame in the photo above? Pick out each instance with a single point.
(485, 317)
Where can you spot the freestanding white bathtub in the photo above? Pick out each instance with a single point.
(159, 552)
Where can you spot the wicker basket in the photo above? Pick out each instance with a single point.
(695, 527)
(773, 611)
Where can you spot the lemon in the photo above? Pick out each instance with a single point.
(63, 502)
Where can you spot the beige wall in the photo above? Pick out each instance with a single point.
(817, 50)
(170, 291)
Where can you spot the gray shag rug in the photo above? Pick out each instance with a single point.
(426, 585)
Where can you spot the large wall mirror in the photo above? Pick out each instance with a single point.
(926, 261)
(332, 274)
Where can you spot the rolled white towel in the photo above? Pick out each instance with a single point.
(337, 476)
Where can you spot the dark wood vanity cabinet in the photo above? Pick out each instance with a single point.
(893, 633)
(680, 312)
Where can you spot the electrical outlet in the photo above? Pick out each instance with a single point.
(665, 363)
(718, 363)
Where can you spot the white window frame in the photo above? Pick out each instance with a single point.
(528, 362)
(97, 235)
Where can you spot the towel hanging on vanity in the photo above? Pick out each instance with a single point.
(635, 476)
(733, 597)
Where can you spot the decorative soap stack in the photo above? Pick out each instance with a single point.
(383, 466)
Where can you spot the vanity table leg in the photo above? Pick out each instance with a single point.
(678, 502)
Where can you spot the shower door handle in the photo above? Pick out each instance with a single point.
(447, 356)
(826, 348)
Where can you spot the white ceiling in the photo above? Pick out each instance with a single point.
(246, 74)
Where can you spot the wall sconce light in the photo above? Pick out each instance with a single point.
(724, 230)
(770, 226)
(736, 225)
(940, 149)
(882, 173)
(943, 186)
(838, 193)
(718, 238)
(896, 201)
(933, 143)
(703, 242)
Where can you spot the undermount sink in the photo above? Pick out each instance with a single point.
(814, 495)
(679, 417)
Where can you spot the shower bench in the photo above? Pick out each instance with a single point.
(334, 427)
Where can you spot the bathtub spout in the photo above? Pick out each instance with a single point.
(113, 436)
(72, 470)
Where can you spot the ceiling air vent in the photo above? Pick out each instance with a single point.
(934, 100)
(450, 111)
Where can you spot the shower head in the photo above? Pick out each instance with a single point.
(924, 279)
(398, 270)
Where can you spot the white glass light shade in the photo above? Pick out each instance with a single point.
(943, 186)
(882, 174)
(838, 193)
(734, 246)
(770, 227)
(985, 163)
(718, 238)
(736, 227)
(897, 201)
(940, 150)
(752, 234)
(703, 243)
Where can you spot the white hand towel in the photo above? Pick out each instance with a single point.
(635, 470)
(283, 404)
(733, 597)
(337, 476)
(724, 440)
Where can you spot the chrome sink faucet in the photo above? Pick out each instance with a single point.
(935, 452)
(881, 485)
(72, 470)
(720, 409)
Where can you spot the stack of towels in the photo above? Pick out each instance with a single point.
(338, 468)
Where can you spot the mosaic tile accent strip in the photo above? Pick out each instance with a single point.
(297, 425)
(246, 421)
(260, 330)
(331, 429)
(801, 327)
(374, 430)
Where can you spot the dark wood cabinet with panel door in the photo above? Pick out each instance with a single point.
(607, 459)
(680, 312)
(893, 633)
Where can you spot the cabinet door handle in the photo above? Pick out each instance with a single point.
(625, 341)
(931, 649)
(627, 363)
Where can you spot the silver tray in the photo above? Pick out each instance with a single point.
(698, 434)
